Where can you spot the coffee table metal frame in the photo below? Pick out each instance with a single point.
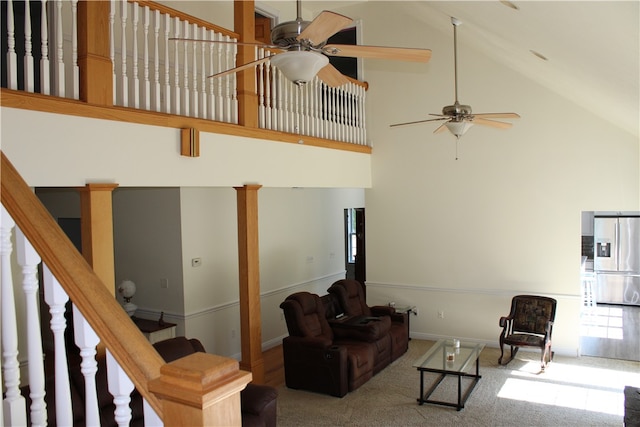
(435, 360)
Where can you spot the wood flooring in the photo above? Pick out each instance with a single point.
(611, 331)
(273, 366)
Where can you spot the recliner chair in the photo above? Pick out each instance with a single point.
(351, 297)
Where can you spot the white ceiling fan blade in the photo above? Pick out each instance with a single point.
(498, 115)
(419, 121)
(240, 68)
(324, 26)
(491, 123)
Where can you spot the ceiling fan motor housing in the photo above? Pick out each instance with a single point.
(457, 110)
(285, 35)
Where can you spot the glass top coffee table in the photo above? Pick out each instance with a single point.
(447, 357)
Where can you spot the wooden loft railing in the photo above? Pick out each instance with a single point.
(171, 390)
(121, 57)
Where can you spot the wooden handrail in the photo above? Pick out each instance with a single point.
(51, 104)
(122, 338)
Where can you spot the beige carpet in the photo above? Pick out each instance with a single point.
(585, 391)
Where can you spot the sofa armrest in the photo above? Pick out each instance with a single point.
(382, 310)
(255, 397)
(361, 328)
(315, 368)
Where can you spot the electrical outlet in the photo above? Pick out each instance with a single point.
(164, 283)
(440, 314)
(233, 333)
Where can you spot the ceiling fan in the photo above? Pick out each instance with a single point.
(458, 118)
(304, 50)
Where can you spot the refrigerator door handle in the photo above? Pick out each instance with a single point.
(617, 244)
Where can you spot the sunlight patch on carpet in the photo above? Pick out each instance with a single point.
(579, 375)
(578, 387)
(568, 396)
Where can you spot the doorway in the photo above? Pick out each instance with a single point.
(355, 251)
(607, 329)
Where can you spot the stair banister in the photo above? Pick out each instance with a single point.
(126, 343)
(197, 390)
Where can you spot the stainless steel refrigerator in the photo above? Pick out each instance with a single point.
(616, 259)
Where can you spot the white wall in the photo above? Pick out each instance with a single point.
(465, 235)
(301, 248)
(148, 156)
(148, 249)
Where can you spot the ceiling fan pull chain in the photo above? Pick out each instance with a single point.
(457, 139)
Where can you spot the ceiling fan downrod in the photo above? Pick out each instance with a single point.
(455, 22)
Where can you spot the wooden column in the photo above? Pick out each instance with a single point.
(94, 61)
(244, 25)
(249, 269)
(96, 219)
(201, 390)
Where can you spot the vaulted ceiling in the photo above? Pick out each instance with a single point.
(592, 48)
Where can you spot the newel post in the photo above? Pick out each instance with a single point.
(94, 57)
(201, 389)
(244, 25)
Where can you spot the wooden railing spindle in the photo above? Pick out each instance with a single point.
(29, 260)
(124, 81)
(167, 76)
(28, 53)
(57, 299)
(59, 76)
(145, 95)
(112, 49)
(176, 100)
(156, 104)
(75, 73)
(12, 58)
(120, 387)
(45, 78)
(135, 95)
(185, 71)
(87, 340)
(14, 404)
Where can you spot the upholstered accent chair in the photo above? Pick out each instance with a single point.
(529, 324)
(351, 297)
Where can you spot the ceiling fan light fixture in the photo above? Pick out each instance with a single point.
(299, 66)
(458, 128)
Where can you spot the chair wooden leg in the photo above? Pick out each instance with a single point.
(547, 357)
(514, 351)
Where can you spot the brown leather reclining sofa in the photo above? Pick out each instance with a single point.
(336, 342)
